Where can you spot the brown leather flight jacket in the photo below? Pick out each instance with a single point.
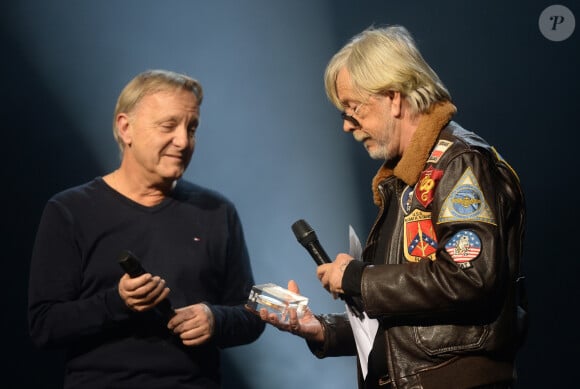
(442, 264)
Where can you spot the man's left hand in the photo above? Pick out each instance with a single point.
(194, 324)
(330, 274)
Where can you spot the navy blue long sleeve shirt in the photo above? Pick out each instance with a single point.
(193, 239)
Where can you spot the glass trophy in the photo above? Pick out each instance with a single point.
(276, 300)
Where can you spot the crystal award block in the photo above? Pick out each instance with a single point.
(276, 300)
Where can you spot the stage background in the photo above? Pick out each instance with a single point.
(271, 142)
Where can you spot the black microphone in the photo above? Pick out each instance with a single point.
(307, 238)
(132, 266)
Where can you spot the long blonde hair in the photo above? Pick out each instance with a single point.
(380, 60)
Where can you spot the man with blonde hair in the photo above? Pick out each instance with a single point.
(163, 328)
(440, 269)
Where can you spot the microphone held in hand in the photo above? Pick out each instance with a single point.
(307, 238)
(132, 266)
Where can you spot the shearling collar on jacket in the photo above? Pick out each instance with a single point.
(409, 167)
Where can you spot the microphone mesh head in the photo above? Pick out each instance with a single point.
(303, 232)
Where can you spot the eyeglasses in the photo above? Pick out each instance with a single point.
(354, 111)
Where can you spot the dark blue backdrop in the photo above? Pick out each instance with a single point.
(271, 142)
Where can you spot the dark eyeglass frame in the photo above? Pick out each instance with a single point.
(350, 118)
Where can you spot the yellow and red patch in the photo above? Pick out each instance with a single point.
(426, 185)
(419, 236)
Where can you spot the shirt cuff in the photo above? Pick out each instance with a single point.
(352, 278)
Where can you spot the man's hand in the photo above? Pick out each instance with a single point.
(142, 293)
(194, 324)
(330, 274)
(307, 327)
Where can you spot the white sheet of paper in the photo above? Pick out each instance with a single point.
(365, 329)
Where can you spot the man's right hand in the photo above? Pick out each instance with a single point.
(142, 293)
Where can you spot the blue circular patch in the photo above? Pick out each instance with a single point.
(406, 199)
(467, 201)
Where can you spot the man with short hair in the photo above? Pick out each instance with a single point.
(190, 242)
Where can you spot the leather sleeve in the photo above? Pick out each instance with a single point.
(338, 338)
(440, 289)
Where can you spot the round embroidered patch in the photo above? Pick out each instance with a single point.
(464, 246)
(467, 201)
(406, 199)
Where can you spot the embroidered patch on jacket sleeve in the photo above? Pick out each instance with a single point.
(426, 185)
(466, 202)
(419, 236)
(439, 150)
(406, 199)
(464, 247)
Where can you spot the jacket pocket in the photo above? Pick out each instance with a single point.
(442, 339)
